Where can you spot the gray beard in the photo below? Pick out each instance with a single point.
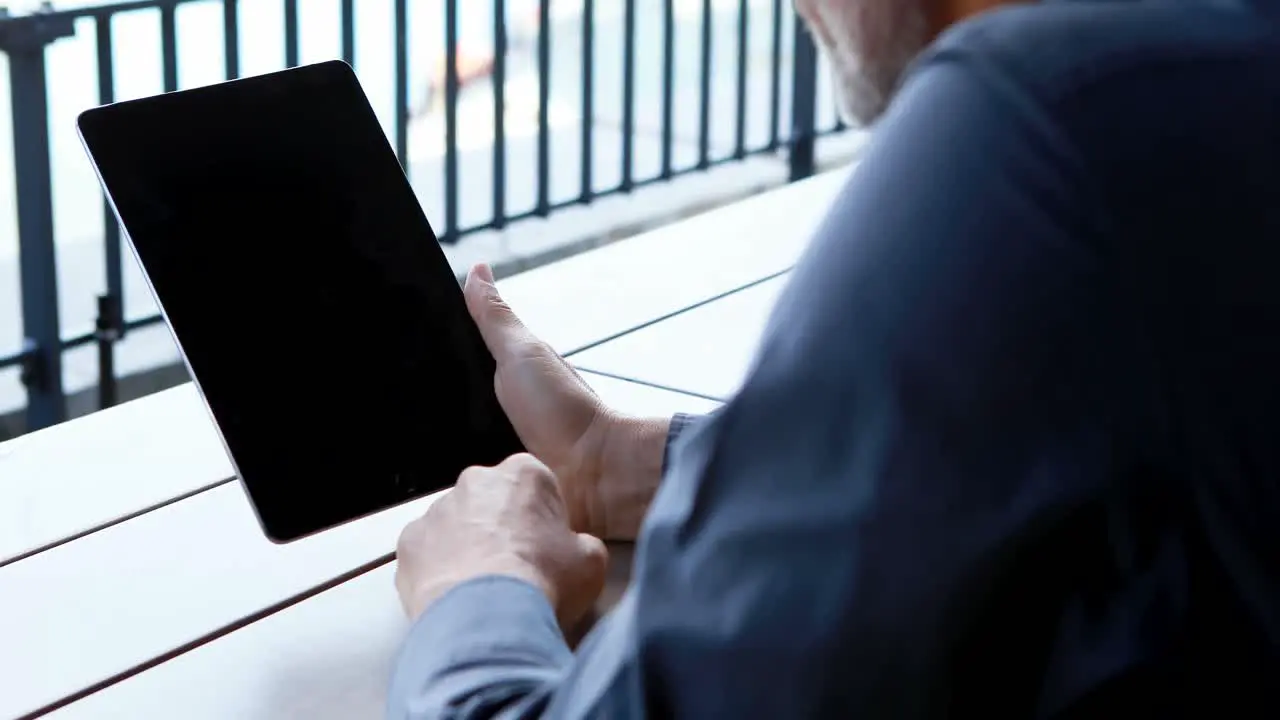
(865, 86)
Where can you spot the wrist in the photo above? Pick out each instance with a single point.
(631, 454)
(427, 593)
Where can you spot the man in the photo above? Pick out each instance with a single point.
(1008, 449)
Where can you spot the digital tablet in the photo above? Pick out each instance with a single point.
(306, 291)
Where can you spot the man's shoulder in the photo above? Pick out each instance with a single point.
(1057, 49)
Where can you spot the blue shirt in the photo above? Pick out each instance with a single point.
(1010, 444)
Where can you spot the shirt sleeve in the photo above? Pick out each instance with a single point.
(919, 426)
(488, 648)
(680, 422)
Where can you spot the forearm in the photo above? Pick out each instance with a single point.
(490, 647)
(633, 461)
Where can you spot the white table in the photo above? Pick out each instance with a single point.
(704, 351)
(134, 581)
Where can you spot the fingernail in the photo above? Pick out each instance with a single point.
(484, 272)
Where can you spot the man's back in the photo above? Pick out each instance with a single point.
(1187, 169)
(1168, 114)
(1008, 447)
(1036, 351)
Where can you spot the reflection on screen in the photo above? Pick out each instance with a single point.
(307, 290)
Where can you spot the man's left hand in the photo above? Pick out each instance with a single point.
(506, 520)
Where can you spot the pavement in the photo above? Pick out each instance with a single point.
(78, 207)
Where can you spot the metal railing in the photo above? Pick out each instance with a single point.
(26, 38)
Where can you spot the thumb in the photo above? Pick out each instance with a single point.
(596, 557)
(582, 585)
(502, 331)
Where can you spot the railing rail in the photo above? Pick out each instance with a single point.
(25, 38)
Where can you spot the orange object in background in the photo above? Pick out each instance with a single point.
(475, 44)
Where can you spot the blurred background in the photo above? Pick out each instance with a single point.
(530, 129)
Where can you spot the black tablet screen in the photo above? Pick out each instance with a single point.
(307, 291)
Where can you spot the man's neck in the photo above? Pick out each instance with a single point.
(949, 12)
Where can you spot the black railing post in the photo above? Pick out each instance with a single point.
(109, 327)
(401, 34)
(107, 331)
(804, 103)
(24, 39)
(499, 83)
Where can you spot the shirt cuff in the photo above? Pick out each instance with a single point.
(490, 636)
(679, 423)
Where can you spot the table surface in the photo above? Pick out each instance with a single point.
(135, 582)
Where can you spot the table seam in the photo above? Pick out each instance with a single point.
(80, 535)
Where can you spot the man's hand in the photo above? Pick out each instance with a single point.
(506, 520)
(609, 466)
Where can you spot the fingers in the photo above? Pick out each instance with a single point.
(594, 550)
(501, 329)
(520, 467)
(592, 573)
(525, 464)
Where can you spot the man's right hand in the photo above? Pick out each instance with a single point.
(609, 465)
